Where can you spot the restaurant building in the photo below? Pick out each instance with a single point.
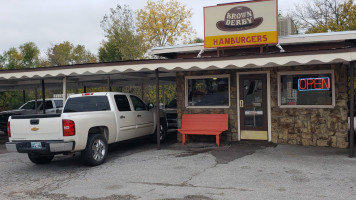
(291, 89)
(286, 90)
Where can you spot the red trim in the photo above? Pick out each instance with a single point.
(233, 3)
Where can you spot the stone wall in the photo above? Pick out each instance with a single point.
(311, 127)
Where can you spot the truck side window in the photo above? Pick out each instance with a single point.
(122, 103)
(49, 105)
(138, 103)
(59, 103)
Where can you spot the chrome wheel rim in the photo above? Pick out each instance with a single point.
(98, 150)
(161, 133)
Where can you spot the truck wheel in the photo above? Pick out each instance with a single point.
(40, 159)
(96, 150)
(162, 132)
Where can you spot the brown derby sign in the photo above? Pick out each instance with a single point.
(238, 19)
(241, 24)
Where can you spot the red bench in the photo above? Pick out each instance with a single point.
(204, 124)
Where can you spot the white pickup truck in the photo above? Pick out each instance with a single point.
(87, 124)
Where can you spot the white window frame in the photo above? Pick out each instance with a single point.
(303, 73)
(205, 77)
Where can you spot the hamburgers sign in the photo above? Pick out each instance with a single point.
(241, 24)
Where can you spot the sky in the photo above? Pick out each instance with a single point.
(49, 22)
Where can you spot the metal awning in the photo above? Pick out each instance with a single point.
(143, 71)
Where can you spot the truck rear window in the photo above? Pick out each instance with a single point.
(87, 104)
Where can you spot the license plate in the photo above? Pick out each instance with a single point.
(36, 145)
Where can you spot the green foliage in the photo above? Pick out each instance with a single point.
(122, 42)
(66, 53)
(199, 40)
(163, 23)
(12, 59)
(318, 16)
(30, 53)
(26, 56)
(169, 92)
(8, 100)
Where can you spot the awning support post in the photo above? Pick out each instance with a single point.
(158, 125)
(24, 96)
(352, 108)
(108, 87)
(43, 97)
(164, 96)
(64, 89)
(142, 91)
(36, 97)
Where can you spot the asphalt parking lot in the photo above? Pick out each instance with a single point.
(198, 171)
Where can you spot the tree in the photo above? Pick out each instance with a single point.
(26, 57)
(30, 54)
(325, 15)
(12, 59)
(122, 42)
(66, 53)
(164, 23)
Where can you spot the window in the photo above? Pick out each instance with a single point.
(212, 91)
(122, 103)
(138, 103)
(87, 104)
(31, 105)
(306, 89)
(59, 103)
(49, 105)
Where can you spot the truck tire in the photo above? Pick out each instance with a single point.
(96, 150)
(40, 159)
(163, 131)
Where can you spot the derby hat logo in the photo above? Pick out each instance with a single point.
(239, 19)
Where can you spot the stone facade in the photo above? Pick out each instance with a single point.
(307, 126)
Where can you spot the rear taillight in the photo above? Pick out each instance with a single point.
(8, 129)
(68, 127)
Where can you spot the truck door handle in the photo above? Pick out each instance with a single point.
(138, 115)
(122, 117)
(34, 121)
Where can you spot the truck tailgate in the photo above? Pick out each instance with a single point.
(36, 127)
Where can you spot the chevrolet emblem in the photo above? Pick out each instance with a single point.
(34, 129)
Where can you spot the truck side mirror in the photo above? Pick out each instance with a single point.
(150, 106)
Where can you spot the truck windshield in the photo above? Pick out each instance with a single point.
(31, 105)
(87, 104)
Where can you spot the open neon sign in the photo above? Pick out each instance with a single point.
(312, 84)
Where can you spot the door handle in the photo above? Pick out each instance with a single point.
(138, 115)
(241, 103)
(122, 117)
